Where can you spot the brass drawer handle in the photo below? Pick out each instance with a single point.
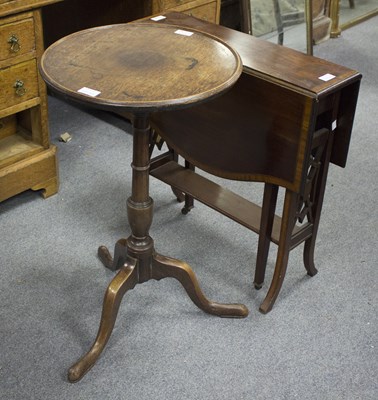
(15, 44)
(19, 86)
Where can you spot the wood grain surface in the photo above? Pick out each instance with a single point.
(141, 67)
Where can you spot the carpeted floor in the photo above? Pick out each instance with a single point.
(318, 343)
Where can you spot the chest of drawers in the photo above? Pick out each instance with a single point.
(27, 160)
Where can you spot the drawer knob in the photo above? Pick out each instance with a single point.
(19, 87)
(14, 43)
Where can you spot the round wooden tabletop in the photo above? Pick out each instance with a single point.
(140, 67)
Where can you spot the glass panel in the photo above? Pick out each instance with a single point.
(280, 21)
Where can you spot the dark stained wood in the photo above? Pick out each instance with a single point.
(345, 116)
(217, 197)
(252, 136)
(289, 68)
(265, 232)
(146, 68)
(69, 16)
(280, 124)
(140, 68)
(277, 63)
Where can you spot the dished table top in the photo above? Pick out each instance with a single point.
(140, 67)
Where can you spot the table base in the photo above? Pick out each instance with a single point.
(136, 258)
(131, 272)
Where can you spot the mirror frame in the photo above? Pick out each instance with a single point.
(334, 13)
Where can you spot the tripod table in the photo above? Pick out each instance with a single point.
(138, 69)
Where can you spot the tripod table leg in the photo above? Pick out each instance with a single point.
(120, 255)
(125, 280)
(166, 267)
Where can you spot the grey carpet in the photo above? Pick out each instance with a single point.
(319, 342)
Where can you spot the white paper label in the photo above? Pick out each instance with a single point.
(327, 77)
(158, 18)
(184, 33)
(89, 92)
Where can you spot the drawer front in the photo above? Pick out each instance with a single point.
(207, 12)
(166, 4)
(18, 83)
(17, 38)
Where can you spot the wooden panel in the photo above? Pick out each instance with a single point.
(15, 148)
(207, 12)
(166, 4)
(245, 135)
(36, 172)
(70, 16)
(16, 6)
(8, 127)
(25, 72)
(345, 118)
(22, 34)
(177, 5)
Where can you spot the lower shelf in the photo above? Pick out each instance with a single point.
(217, 197)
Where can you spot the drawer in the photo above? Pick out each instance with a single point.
(166, 4)
(17, 38)
(207, 12)
(18, 83)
